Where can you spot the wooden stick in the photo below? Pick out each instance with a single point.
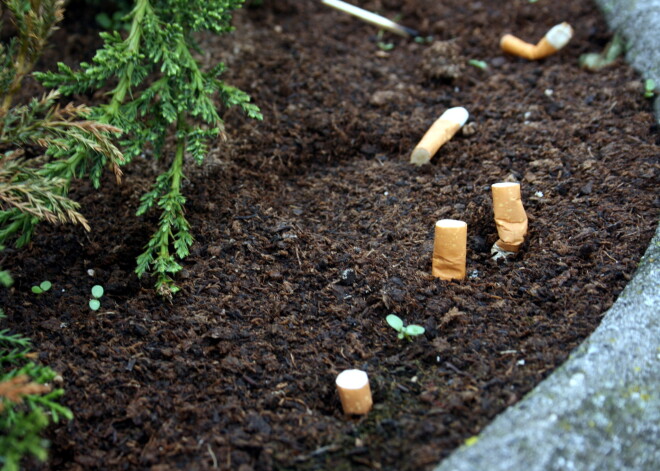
(441, 131)
(372, 18)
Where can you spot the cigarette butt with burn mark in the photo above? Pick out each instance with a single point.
(441, 131)
(510, 217)
(354, 392)
(449, 249)
(553, 41)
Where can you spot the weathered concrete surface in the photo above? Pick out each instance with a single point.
(639, 22)
(600, 411)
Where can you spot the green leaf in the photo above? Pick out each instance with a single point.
(94, 304)
(395, 322)
(37, 290)
(595, 61)
(478, 64)
(5, 279)
(104, 20)
(414, 330)
(45, 285)
(97, 291)
(649, 88)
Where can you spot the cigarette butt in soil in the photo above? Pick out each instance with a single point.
(354, 392)
(441, 131)
(553, 41)
(510, 217)
(449, 249)
(371, 18)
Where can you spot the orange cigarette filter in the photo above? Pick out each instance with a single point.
(510, 216)
(450, 249)
(354, 392)
(441, 131)
(554, 40)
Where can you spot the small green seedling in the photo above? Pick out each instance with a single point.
(404, 331)
(382, 45)
(423, 39)
(97, 292)
(42, 288)
(478, 64)
(649, 88)
(595, 61)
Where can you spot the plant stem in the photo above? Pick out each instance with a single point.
(133, 47)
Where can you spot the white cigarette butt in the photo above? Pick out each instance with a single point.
(354, 391)
(369, 17)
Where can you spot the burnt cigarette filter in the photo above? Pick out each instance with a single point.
(371, 18)
(450, 249)
(553, 41)
(441, 131)
(354, 392)
(510, 216)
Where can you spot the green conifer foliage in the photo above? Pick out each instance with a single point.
(43, 145)
(159, 89)
(28, 404)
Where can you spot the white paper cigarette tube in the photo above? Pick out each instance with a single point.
(559, 35)
(369, 17)
(354, 392)
(450, 249)
(510, 217)
(441, 131)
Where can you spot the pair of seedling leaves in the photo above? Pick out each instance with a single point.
(94, 303)
(405, 331)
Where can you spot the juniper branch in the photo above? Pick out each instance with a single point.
(159, 89)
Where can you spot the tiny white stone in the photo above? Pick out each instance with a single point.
(539, 194)
(521, 362)
(549, 92)
(90, 272)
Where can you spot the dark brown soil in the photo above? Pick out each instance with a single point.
(312, 226)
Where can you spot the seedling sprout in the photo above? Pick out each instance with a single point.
(595, 61)
(407, 331)
(42, 288)
(478, 64)
(649, 88)
(97, 293)
(382, 45)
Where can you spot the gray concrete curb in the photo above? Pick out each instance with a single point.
(639, 22)
(600, 411)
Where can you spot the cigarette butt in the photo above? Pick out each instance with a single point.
(354, 392)
(371, 18)
(510, 216)
(553, 41)
(441, 131)
(450, 249)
